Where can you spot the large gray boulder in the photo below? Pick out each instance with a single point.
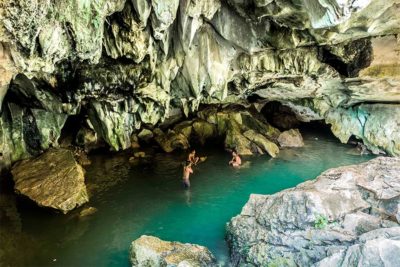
(348, 216)
(291, 138)
(53, 180)
(152, 251)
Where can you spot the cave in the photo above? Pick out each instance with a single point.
(199, 133)
(70, 130)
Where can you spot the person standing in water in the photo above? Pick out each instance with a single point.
(187, 170)
(236, 161)
(192, 157)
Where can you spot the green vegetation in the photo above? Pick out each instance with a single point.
(320, 221)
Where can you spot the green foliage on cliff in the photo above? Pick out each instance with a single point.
(320, 221)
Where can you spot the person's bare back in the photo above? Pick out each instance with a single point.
(187, 170)
(236, 161)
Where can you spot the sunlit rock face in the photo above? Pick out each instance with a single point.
(123, 64)
(345, 217)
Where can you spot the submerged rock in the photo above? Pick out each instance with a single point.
(347, 216)
(53, 180)
(291, 138)
(152, 251)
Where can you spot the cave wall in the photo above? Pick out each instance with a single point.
(126, 64)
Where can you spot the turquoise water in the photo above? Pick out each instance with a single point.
(148, 199)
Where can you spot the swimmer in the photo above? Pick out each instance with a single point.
(187, 170)
(236, 160)
(192, 157)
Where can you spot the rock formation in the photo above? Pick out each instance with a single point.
(53, 180)
(348, 216)
(246, 132)
(291, 138)
(128, 64)
(152, 251)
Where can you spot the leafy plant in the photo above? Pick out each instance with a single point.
(320, 221)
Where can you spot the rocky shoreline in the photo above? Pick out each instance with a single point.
(347, 216)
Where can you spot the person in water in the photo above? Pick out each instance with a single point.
(192, 157)
(187, 170)
(236, 161)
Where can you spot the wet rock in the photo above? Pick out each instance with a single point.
(234, 140)
(375, 124)
(139, 154)
(171, 140)
(184, 128)
(291, 138)
(134, 141)
(82, 157)
(87, 212)
(152, 251)
(53, 180)
(87, 138)
(262, 142)
(341, 217)
(146, 135)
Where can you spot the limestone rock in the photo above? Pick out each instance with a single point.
(375, 124)
(171, 140)
(315, 56)
(234, 140)
(184, 128)
(204, 131)
(53, 180)
(146, 135)
(134, 141)
(262, 142)
(152, 251)
(87, 138)
(339, 218)
(291, 138)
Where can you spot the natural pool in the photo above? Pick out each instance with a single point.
(148, 199)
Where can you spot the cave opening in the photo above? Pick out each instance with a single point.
(70, 130)
(284, 118)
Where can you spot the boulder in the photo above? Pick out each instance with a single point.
(234, 140)
(87, 138)
(152, 251)
(145, 135)
(184, 128)
(262, 142)
(291, 138)
(348, 216)
(134, 141)
(54, 180)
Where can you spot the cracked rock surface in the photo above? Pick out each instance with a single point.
(347, 216)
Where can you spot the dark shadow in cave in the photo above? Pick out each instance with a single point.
(70, 130)
(361, 51)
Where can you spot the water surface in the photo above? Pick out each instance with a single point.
(149, 199)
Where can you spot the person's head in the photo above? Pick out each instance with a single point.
(193, 151)
(234, 153)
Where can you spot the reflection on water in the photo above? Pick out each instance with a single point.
(133, 200)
